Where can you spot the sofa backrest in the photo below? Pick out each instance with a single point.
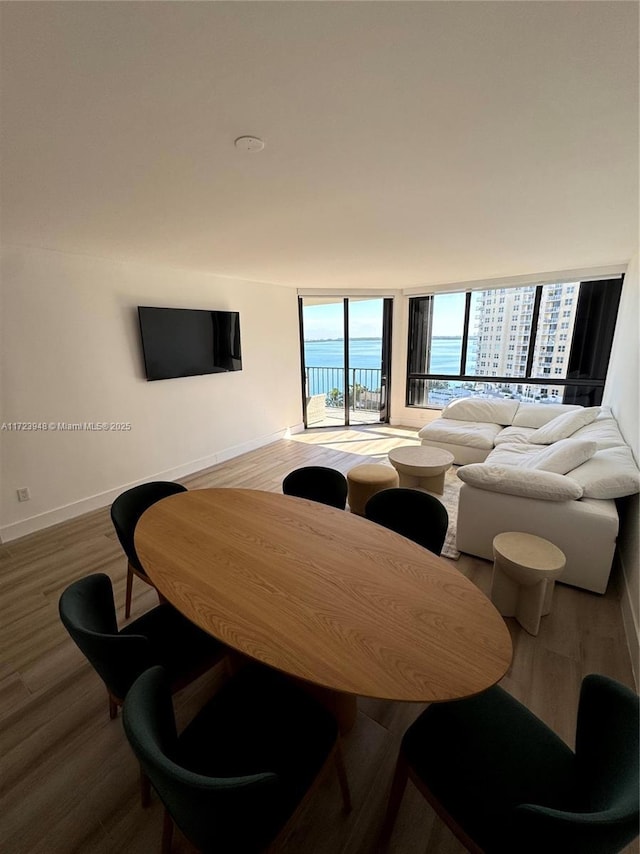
(539, 414)
(488, 410)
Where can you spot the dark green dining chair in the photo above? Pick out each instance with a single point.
(238, 774)
(126, 511)
(161, 636)
(416, 515)
(505, 783)
(317, 483)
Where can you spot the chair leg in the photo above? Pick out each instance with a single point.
(127, 598)
(395, 797)
(145, 789)
(342, 778)
(167, 833)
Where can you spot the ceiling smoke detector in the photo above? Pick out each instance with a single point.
(249, 143)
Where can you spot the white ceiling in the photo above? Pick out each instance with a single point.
(406, 142)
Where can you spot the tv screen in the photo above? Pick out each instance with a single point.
(185, 342)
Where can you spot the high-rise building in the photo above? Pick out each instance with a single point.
(502, 324)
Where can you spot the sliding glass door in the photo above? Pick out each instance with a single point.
(345, 345)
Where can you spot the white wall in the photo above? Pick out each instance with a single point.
(622, 394)
(70, 352)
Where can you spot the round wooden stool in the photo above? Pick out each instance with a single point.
(421, 467)
(525, 569)
(365, 480)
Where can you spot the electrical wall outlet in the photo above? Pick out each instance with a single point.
(23, 494)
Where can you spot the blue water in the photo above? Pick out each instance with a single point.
(363, 353)
(366, 353)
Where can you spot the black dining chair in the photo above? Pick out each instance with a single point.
(504, 782)
(240, 771)
(414, 514)
(161, 636)
(317, 483)
(126, 510)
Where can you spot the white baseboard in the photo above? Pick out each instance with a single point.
(104, 499)
(407, 421)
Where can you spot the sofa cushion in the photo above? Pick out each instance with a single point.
(514, 480)
(604, 432)
(512, 454)
(539, 414)
(610, 473)
(564, 425)
(489, 410)
(514, 434)
(477, 434)
(562, 456)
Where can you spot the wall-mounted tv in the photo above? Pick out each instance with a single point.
(185, 342)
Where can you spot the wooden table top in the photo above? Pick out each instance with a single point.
(323, 595)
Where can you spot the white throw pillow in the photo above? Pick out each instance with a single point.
(562, 456)
(514, 480)
(481, 409)
(611, 473)
(539, 414)
(564, 426)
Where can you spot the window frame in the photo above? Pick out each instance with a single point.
(584, 382)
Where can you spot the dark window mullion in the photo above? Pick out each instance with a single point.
(534, 331)
(465, 333)
(345, 396)
(385, 381)
(512, 380)
(303, 368)
(429, 332)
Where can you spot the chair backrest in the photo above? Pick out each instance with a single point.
(88, 612)
(129, 507)
(414, 514)
(215, 813)
(607, 774)
(317, 483)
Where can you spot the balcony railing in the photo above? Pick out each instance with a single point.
(363, 387)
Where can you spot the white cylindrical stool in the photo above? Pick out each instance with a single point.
(525, 569)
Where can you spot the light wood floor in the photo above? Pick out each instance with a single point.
(69, 781)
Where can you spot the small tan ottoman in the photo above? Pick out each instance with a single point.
(365, 480)
(524, 575)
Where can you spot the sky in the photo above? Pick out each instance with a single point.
(325, 320)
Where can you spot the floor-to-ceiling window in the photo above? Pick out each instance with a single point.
(544, 343)
(345, 359)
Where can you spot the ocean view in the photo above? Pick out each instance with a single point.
(325, 372)
(366, 353)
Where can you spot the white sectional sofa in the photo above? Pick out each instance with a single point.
(548, 469)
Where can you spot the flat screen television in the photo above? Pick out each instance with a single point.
(185, 342)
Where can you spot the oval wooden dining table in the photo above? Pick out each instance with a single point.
(323, 595)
